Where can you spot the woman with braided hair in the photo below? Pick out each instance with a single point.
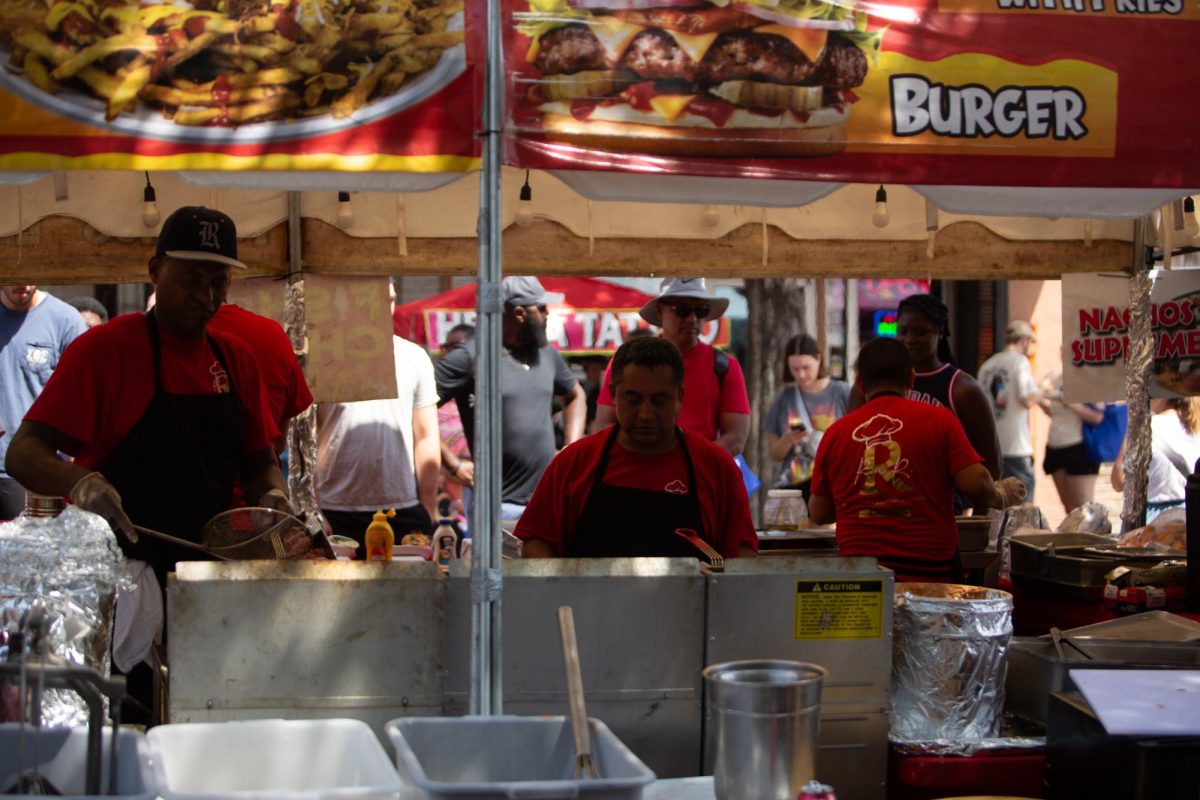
(923, 327)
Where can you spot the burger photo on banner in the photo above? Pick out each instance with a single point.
(748, 78)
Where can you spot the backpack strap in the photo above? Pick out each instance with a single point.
(720, 366)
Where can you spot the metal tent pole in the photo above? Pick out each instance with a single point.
(486, 688)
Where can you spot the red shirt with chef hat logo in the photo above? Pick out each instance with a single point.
(889, 468)
(105, 381)
(562, 493)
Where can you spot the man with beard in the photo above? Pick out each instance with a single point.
(532, 374)
(626, 490)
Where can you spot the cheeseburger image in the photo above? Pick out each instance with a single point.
(741, 78)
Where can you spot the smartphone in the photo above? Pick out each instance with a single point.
(798, 426)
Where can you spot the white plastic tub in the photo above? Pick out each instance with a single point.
(488, 758)
(323, 759)
(59, 756)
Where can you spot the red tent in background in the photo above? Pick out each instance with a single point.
(593, 318)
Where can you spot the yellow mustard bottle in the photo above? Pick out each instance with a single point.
(379, 538)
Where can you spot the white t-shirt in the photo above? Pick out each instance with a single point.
(365, 449)
(1006, 378)
(1173, 452)
(1066, 427)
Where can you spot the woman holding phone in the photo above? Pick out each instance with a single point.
(804, 409)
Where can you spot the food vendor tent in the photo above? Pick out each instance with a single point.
(1020, 111)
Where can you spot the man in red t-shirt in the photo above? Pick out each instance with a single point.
(715, 406)
(161, 415)
(625, 490)
(283, 379)
(887, 471)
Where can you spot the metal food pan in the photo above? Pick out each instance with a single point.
(1080, 570)
(1035, 668)
(1031, 551)
(1149, 626)
(973, 533)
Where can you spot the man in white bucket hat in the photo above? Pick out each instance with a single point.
(715, 404)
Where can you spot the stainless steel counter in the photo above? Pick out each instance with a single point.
(381, 641)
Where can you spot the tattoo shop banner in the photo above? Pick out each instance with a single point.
(593, 318)
(235, 85)
(1095, 316)
(992, 92)
(573, 331)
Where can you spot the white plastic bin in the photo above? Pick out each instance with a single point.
(486, 758)
(60, 757)
(319, 759)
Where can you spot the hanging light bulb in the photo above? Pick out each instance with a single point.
(1191, 226)
(150, 215)
(525, 207)
(880, 217)
(710, 216)
(345, 211)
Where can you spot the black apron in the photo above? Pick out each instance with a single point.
(619, 521)
(178, 465)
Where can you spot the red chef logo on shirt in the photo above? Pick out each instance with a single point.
(220, 378)
(676, 487)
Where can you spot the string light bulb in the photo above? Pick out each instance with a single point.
(880, 218)
(150, 215)
(1191, 226)
(710, 216)
(345, 211)
(525, 207)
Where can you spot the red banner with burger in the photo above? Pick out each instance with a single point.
(1002, 92)
(349, 85)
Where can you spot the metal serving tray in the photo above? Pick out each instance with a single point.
(1035, 669)
(1071, 559)
(1149, 626)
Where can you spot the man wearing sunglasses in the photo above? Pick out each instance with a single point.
(715, 404)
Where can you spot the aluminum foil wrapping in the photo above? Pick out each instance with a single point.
(949, 663)
(72, 566)
(1139, 361)
(1025, 515)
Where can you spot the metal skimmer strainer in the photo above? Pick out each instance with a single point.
(244, 534)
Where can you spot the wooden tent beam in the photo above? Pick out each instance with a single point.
(965, 251)
(66, 250)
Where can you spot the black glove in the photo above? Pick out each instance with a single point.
(93, 493)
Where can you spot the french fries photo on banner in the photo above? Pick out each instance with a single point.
(225, 63)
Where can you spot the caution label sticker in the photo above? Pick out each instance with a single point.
(839, 609)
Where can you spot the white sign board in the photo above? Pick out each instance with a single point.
(1095, 323)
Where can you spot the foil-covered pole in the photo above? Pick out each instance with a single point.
(1139, 359)
(302, 436)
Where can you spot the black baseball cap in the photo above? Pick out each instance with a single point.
(196, 233)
